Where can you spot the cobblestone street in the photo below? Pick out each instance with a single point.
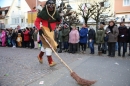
(20, 66)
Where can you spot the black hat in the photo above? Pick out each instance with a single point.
(50, 2)
(102, 23)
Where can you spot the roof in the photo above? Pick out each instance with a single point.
(2, 17)
(32, 3)
(4, 8)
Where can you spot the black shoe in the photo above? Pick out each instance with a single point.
(108, 55)
(123, 55)
(112, 56)
(91, 53)
(60, 51)
(119, 54)
(73, 52)
(104, 52)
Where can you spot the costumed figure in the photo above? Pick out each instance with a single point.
(19, 40)
(48, 17)
(3, 38)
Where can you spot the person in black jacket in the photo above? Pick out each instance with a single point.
(13, 37)
(128, 39)
(122, 39)
(31, 39)
(91, 39)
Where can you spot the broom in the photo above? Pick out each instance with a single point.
(79, 80)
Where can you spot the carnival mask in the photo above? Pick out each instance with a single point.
(50, 5)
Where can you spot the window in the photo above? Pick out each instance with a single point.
(21, 20)
(126, 2)
(15, 20)
(106, 4)
(26, 20)
(126, 16)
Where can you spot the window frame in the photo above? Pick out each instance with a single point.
(125, 3)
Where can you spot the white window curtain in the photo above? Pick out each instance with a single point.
(126, 2)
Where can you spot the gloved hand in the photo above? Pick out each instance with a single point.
(58, 19)
(40, 32)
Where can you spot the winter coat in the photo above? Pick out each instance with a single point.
(112, 36)
(65, 34)
(56, 32)
(35, 36)
(83, 35)
(0, 37)
(91, 34)
(100, 34)
(74, 36)
(60, 39)
(31, 34)
(128, 39)
(123, 34)
(26, 35)
(14, 36)
(3, 36)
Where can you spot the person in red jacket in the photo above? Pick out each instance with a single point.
(26, 37)
(48, 17)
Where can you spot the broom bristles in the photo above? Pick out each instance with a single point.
(81, 81)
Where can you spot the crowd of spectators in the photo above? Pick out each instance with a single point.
(72, 39)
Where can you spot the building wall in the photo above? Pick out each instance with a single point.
(120, 8)
(31, 18)
(122, 12)
(17, 14)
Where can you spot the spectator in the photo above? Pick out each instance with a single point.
(100, 34)
(73, 39)
(19, 40)
(0, 37)
(13, 37)
(21, 31)
(9, 33)
(91, 38)
(35, 39)
(56, 34)
(65, 36)
(26, 37)
(122, 39)
(129, 39)
(3, 38)
(60, 39)
(31, 40)
(112, 31)
(83, 37)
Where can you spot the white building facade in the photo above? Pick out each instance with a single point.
(17, 14)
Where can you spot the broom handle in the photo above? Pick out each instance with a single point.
(57, 54)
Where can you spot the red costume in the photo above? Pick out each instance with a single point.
(48, 17)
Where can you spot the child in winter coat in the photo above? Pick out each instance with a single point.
(73, 39)
(3, 38)
(19, 40)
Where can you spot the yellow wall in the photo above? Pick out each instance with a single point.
(31, 17)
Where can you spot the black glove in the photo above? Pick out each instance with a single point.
(58, 19)
(40, 32)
